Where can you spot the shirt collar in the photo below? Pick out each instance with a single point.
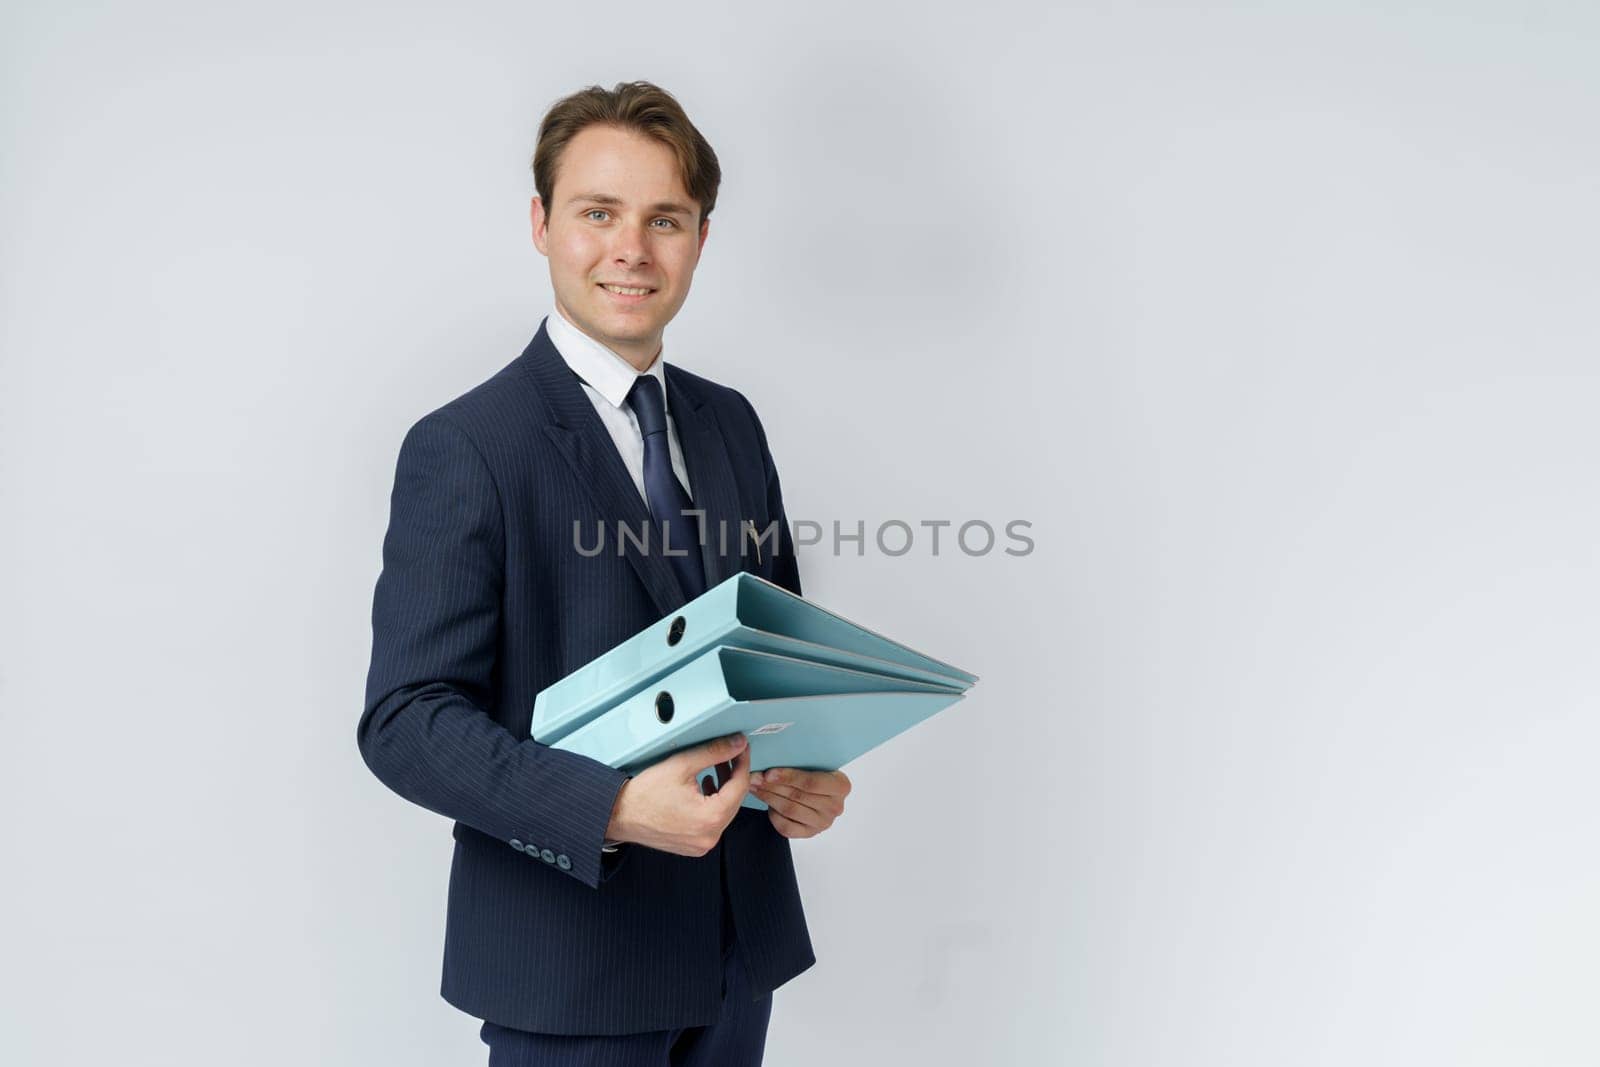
(601, 369)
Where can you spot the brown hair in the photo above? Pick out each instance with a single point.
(641, 106)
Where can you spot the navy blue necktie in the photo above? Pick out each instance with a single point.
(663, 491)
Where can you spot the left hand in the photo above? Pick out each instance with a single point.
(801, 803)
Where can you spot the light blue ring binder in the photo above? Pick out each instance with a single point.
(795, 712)
(743, 611)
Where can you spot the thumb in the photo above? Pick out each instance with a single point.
(694, 760)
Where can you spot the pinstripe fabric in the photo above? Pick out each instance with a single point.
(737, 1039)
(483, 600)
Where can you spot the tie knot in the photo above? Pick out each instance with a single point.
(649, 406)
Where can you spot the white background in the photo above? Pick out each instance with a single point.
(1278, 321)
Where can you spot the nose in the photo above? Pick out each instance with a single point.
(631, 248)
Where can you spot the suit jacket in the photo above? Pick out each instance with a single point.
(483, 601)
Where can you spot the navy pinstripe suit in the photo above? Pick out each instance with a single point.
(483, 600)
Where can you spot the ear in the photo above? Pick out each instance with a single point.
(705, 228)
(541, 226)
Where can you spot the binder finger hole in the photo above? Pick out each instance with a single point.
(675, 631)
(664, 706)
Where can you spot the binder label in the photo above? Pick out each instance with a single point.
(770, 728)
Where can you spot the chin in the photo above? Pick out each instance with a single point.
(633, 329)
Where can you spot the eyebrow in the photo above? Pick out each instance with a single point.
(670, 207)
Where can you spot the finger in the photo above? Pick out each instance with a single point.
(692, 761)
(719, 776)
(795, 811)
(824, 783)
(739, 770)
(829, 803)
(730, 795)
(788, 827)
(825, 806)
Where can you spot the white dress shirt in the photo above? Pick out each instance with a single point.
(606, 378)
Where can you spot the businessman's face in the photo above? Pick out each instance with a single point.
(623, 236)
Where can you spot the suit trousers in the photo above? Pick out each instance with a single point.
(736, 1039)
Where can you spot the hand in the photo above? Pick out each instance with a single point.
(662, 807)
(801, 803)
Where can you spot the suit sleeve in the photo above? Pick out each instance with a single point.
(425, 728)
(785, 565)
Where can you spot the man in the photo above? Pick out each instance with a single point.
(592, 917)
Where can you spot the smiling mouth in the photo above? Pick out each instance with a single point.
(627, 290)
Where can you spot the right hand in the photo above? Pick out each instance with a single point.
(662, 806)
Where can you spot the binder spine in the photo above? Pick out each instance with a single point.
(635, 664)
(669, 706)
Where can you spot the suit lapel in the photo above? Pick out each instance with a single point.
(582, 439)
(705, 454)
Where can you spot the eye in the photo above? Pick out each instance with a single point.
(668, 221)
(592, 212)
